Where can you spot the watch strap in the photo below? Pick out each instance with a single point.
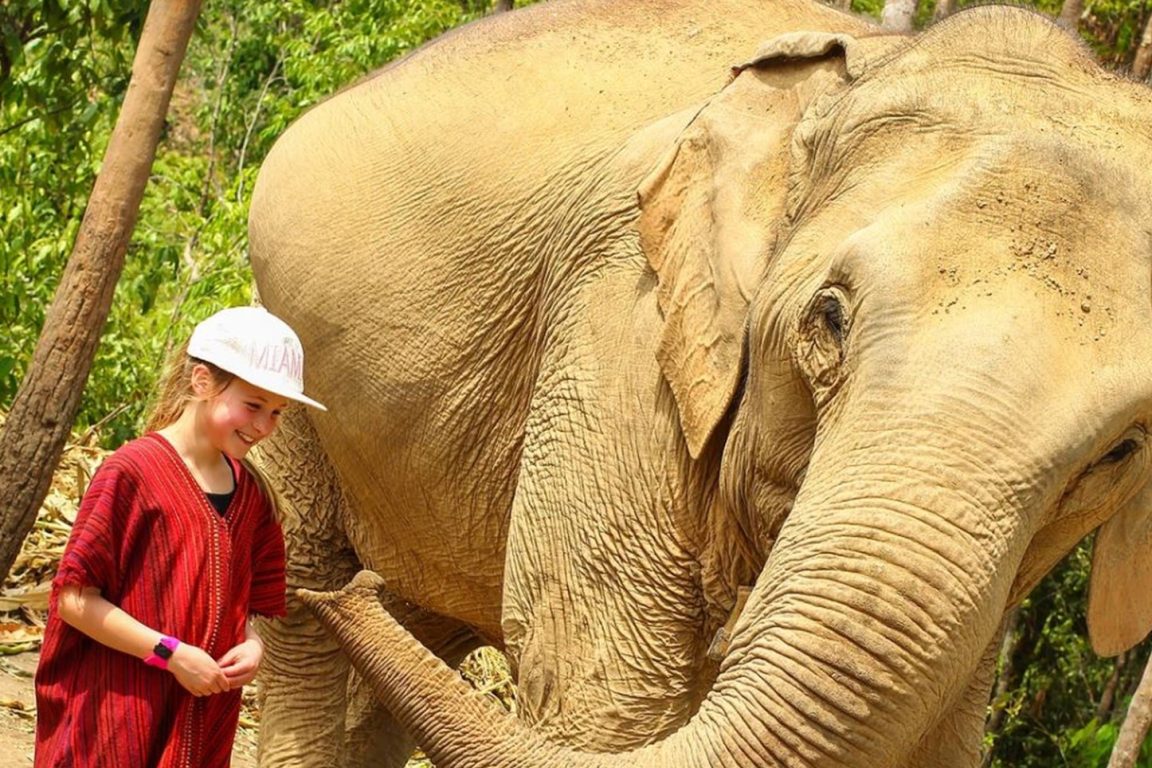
(162, 652)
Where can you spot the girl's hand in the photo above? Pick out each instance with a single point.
(197, 671)
(239, 665)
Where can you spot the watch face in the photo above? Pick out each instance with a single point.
(162, 651)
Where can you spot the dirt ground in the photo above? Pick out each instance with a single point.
(18, 716)
(17, 709)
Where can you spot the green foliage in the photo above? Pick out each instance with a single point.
(252, 67)
(1052, 705)
(63, 72)
(871, 8)
(1113, 28)
(1091, 745)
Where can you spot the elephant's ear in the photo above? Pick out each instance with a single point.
(809, 46)
(710, 212)
(1120, 590)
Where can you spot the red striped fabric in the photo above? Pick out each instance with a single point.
(147, 537)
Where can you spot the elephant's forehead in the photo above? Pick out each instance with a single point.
(1099, 141)
(1025, 235)
(1061, 224)
(998, 64)
(987, 288)
(1051, 206)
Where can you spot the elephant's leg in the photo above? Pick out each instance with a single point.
(357, 732)
(606, 613)
(302, 693)
(373, 737)
(313, 713)
(957, 740)
(303, 680)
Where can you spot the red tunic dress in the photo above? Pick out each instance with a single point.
(147, 536)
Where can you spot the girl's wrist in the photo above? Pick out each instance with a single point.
(162, 652)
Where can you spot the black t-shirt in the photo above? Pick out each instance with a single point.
(220, 501)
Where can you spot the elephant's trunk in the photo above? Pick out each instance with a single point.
(455, 725)
(838, 659)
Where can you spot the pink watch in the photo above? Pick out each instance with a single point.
(162, 652)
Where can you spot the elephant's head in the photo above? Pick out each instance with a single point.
(934, 352)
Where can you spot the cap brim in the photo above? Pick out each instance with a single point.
(271, 384)
(304, 399)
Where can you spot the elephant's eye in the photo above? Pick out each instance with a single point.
(823, 331)
(826, 315)
(1120, 451)
(833, 313)
(1114, 478)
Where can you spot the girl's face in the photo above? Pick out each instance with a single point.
(239, 416)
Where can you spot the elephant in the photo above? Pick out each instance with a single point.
(733, 366)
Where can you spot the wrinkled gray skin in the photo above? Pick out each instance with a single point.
(605, 338)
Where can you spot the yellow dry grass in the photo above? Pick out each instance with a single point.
(24, 596)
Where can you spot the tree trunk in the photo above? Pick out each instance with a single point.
(1135, 728)
(898, 15)
(944, 8)
(1108, 695)
(1070, 14)
(499, 6)
(1005, 679)
(1142, 64)
(46, 404)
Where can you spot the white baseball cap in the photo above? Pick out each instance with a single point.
(255, 345)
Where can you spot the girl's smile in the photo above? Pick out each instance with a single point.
(240, 416)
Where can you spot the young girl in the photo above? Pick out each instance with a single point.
(175, 545)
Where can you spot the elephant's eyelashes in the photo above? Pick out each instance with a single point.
(833, 313)
(1109, 482)
(1120, 451)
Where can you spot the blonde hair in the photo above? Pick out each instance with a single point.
(174, 391)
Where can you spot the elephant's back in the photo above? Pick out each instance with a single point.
(418, 228)
(440, 202)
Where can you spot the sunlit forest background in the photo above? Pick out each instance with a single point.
(253, 66)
